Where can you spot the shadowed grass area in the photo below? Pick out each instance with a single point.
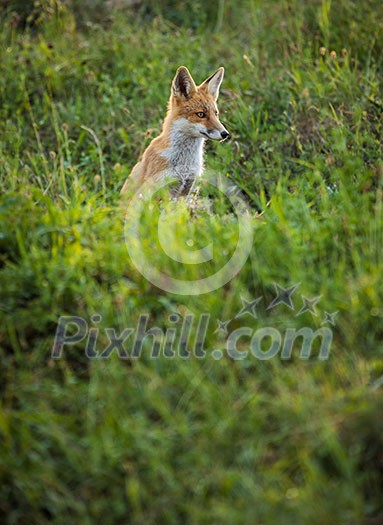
(216, 437)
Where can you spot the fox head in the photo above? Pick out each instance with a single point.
(197, 105)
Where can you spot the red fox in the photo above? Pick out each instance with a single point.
(177, 153)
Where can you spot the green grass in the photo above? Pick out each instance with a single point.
(194, 441)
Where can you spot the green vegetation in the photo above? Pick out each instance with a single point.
(83, 89)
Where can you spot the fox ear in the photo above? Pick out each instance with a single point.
(214, 82)
(183, 84)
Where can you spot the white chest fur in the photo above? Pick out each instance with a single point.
(185, 152)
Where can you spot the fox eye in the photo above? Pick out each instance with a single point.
(201, 114)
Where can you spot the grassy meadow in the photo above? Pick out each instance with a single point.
(208, 439)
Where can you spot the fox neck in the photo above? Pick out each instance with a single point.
(185, 152)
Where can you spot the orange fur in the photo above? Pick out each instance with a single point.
(191, 118)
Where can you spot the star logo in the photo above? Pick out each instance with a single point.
(222, 326)
(248, 307)
(329, 318)
(309, 305)
(283, 296)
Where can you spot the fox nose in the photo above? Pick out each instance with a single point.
(225, 134)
